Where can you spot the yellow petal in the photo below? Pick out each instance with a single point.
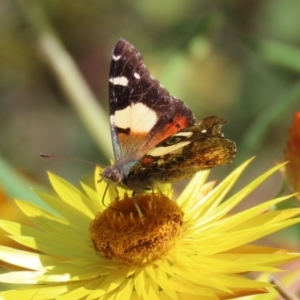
(71, 196)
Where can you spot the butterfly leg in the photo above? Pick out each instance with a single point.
(138, 208)
(117, 192)
(103, 197)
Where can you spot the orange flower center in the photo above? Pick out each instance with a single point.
(119, 233)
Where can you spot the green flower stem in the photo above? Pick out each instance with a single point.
(255, 134)
(282, 290)
(17, 186)
(280, 54)
(68, 75)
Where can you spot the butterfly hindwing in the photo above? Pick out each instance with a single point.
(198, 147)
(142, 112)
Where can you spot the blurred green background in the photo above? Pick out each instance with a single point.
(238, 59)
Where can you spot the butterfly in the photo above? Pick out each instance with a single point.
(155, 136)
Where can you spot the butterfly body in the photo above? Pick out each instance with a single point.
(156, 138)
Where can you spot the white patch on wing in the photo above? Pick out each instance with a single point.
(116, 57)
(186, 134)
(112, 120)
(159, 151)
(119, 80)
(136, 75)
(138, 117)
(204, 131)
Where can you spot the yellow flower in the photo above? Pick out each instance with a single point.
(195, 249)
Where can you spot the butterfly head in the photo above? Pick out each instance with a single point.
(112, 175)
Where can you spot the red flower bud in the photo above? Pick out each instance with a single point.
(292, 154)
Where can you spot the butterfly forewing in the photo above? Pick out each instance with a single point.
(142, 111)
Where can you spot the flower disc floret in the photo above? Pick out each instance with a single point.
(119, 233)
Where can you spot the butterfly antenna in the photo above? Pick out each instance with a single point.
(45, 155)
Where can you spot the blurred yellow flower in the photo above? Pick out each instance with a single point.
(195, 248)
(292, 154)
